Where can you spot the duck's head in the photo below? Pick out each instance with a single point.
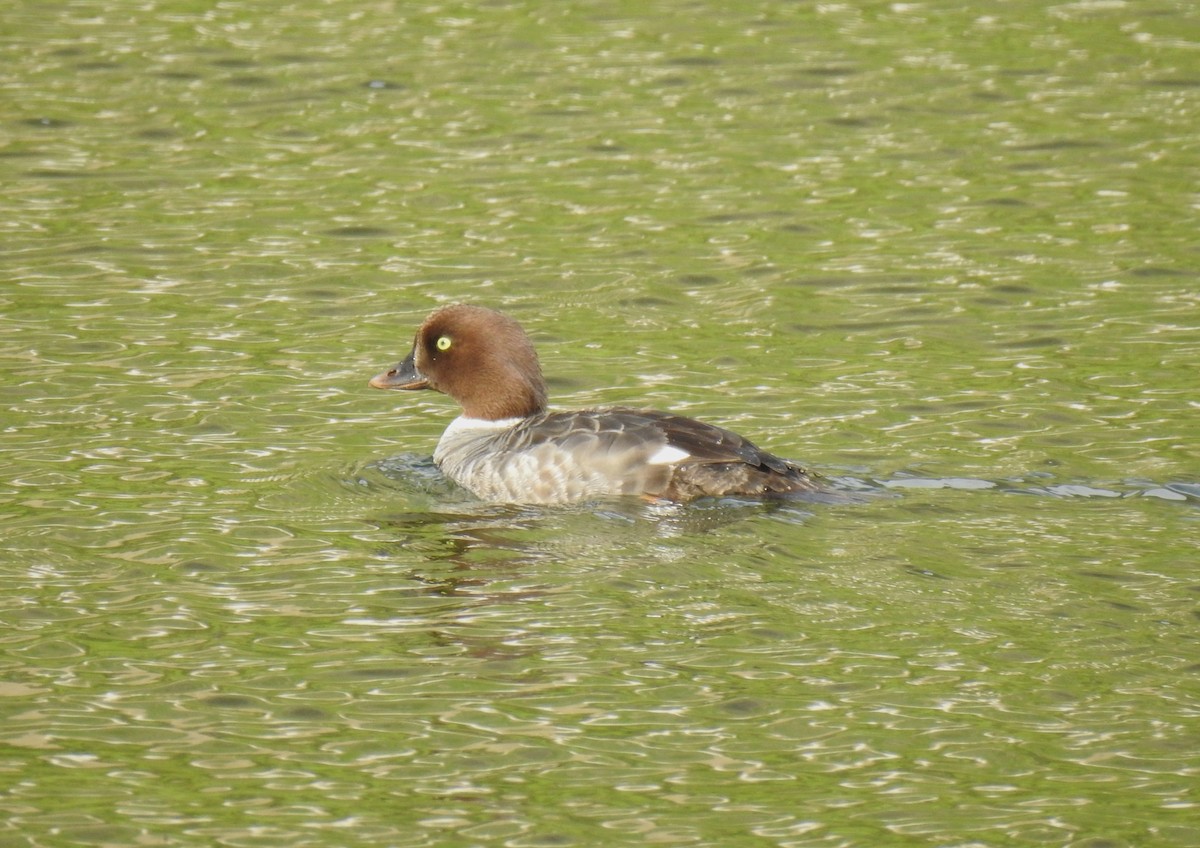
(479, 357)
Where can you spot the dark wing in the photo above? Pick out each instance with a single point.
(722, 463)
(708, 443)
(664, 455)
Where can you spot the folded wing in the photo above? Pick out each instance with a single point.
(635, 451)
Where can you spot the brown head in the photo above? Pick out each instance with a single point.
(479, 357)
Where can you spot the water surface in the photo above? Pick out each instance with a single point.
(947, 251)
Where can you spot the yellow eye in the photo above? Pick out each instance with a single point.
(443, 343)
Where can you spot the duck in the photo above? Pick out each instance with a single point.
(507, 446)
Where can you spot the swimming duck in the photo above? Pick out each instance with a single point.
(507, 447)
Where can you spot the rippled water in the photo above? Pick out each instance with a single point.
(946, 251)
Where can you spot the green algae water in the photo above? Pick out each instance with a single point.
(944, 250)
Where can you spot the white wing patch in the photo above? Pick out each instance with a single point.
(668, 455)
